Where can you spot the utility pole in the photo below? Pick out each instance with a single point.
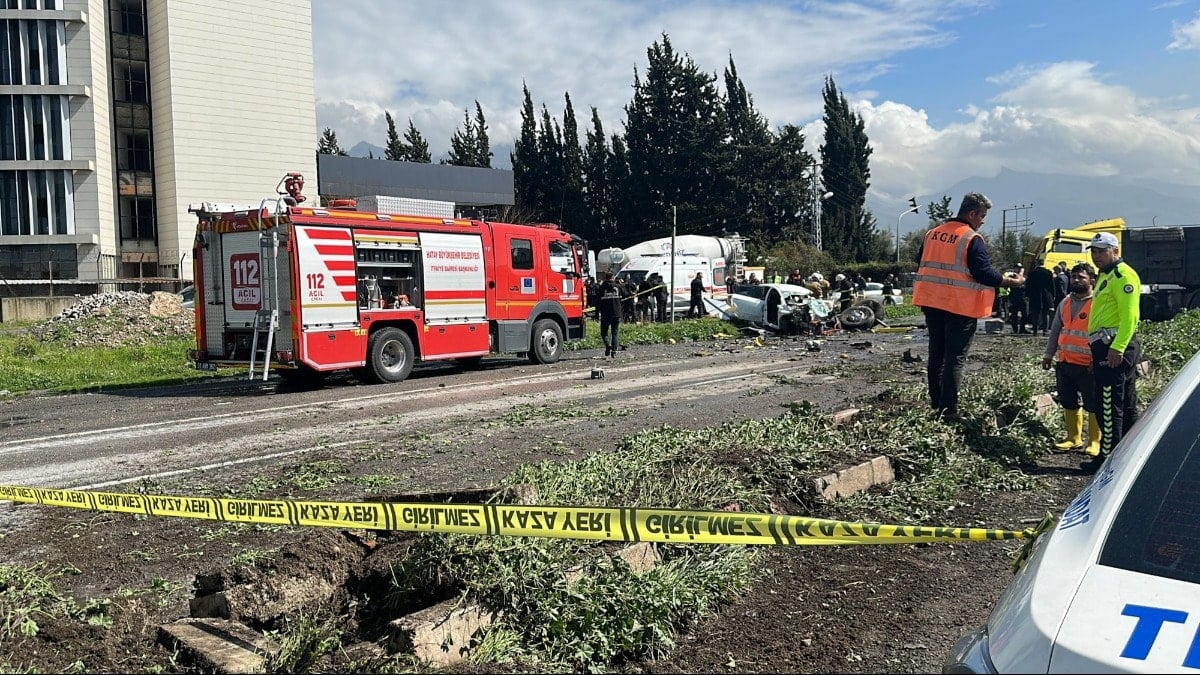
(912, 208)
(673, 218)
(1019, 222)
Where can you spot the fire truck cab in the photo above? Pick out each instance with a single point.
(305, 291)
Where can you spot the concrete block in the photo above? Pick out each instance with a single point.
(1044, 404)
(877, 471)
(440, 635)
(219, 646)
(641, 557)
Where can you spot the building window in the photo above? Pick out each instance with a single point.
(137, 219)
(131, 82)
(9, 223)
(36, 202)
(133, 150)
(33, 127)
(128, 17)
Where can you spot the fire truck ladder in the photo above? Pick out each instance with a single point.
(266, 319)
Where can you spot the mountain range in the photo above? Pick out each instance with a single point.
(1053, 200)
(1057, 200)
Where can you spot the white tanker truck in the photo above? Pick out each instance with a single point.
(730, 249)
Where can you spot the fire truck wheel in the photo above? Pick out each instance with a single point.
(390, 355)
(546, 343)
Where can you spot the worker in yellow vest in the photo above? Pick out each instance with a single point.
(1068, 341)
(955, 287)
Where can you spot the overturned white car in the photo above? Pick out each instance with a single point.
(786, 308)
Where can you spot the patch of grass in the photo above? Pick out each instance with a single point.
(251, 556)
(27, 364)
(901, 311)
(682, 330)
(301, 641)
(526, 414)
(27, 594)
(608, 612)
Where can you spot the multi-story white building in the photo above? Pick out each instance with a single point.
(115, 115)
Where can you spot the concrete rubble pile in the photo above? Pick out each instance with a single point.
(127, 318)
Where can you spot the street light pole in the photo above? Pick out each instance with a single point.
(911, 209)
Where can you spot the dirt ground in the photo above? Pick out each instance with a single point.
(816, 609)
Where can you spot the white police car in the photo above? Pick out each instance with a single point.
(1115, 587)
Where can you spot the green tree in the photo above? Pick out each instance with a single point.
(597, 183)
(469, 146)
(483, 147)
(528, 171)
(417, 146)
(675, 133)
(394, 150)
(328, 145)
(939, 211)
(847, 228)
(621, 204)
(755, 174)
(572, 213)
(550, 149)
(462, 144)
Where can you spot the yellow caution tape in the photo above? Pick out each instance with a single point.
(563, 522)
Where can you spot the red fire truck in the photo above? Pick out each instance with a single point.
(305, 291)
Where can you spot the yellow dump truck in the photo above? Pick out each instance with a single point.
(1167, 258)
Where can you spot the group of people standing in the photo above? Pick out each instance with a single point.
(615, 300)
(1091, 340)
(1030, 308)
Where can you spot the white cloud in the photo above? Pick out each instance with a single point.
(430, 61)
(1185, 36)
(1058, 118)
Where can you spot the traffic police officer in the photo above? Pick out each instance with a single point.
(1112, 337)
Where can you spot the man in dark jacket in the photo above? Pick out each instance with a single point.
(1039, 292)
(660, 297)
(697, 304)
(609, 306)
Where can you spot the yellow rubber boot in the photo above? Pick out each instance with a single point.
(1093, 445)
(1074, 423)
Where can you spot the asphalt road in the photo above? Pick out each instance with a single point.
(99, 440)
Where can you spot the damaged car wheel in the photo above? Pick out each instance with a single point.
(858, 317)
(875, 305)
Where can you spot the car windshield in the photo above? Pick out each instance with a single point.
(1157, 530)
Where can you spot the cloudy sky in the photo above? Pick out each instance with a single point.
(948, 88)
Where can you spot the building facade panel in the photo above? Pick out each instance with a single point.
(238, 80)
(121, 113)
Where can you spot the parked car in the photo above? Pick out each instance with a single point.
(188, 296)
(1115, 585)
(874, 289)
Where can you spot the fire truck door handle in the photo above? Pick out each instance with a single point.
(552, 289)
(514, 288)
